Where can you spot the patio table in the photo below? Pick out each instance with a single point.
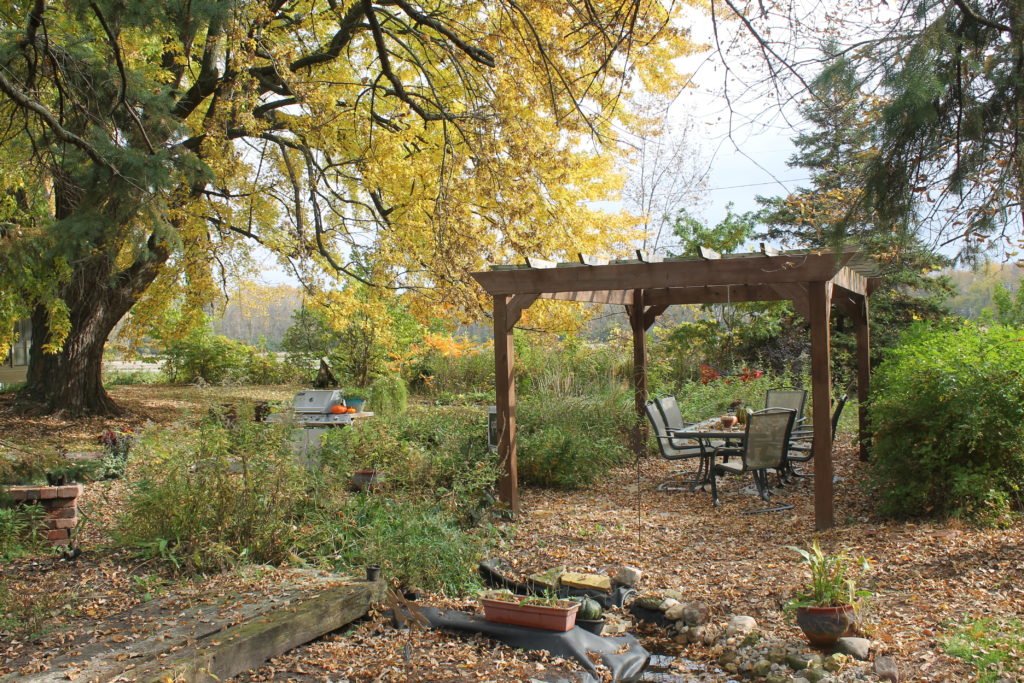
(704, 433)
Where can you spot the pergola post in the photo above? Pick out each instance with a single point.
(505, 390)
(639, 326)
(863, 331)
(819, 299)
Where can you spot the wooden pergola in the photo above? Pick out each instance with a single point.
(813, 280)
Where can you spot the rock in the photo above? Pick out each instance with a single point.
(627, 576)
(776, 678)
(855, 647)
(695, 613)
(708, 635)
(587, 581)
(761, 668)
(777, 655)
(797, 661)
(740, 625)
(799, 679)
(548, 578)
(813, 674)
(731, 667)
(667, 604)
(751, 639)
(835, 662)
(674, 594)
(650, 602)
(886, 669)
(727, 657)
(675, 612)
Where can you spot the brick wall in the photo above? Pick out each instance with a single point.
(60, 504)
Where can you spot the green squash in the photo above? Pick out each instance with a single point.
(589, 609)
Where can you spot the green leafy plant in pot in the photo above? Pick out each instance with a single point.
(829, 608)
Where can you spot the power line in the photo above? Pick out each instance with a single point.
(771, 182)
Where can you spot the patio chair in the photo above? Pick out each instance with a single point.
(764, 448)
(675, 449)
(800, 440)
(788, 397)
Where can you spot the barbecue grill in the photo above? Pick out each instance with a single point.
(311, 411)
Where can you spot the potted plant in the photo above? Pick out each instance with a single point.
(355, 399)
(828, 608)
(548, 612)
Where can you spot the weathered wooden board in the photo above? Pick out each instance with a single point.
(216, 637)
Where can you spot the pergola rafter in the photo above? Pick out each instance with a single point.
(647, 286)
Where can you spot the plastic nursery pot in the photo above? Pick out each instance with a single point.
(595, 626)
(823, 626)
(372, 572)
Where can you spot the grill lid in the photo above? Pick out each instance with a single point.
(316, 400)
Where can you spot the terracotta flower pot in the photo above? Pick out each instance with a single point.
(728, 421)
(823, 626)
(533, 616)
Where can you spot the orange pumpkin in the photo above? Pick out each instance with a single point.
(339, 409)
(352, 410)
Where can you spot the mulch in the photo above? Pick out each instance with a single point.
(926, 576)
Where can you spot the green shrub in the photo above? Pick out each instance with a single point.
(231, 491)
(122, 378)
(389, 396)
(947, 411)
(208, 498)
(212, 358)
(203, 355)
(570, 442)
(414, 540)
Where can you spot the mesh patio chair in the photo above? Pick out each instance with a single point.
(788, 397)
(800, 441)
(767, 441)
(676, 449)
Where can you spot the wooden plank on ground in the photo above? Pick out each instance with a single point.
(207, 637)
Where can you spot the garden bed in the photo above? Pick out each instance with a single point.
(928, 576)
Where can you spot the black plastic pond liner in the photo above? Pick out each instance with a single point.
(624, 656)
(491, 572)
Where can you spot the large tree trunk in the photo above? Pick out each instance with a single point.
(70, 383)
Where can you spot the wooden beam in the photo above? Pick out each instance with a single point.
(819, 302)
(754, 270)
(505, 395)
(248, 645)
(516, 305)
(651, 315)
(851, 281)
(797, 293)
(716, 294)
(621, 296)
(862, 328)
(636, 323)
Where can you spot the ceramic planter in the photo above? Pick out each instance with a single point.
(823, 626)
(532, 616)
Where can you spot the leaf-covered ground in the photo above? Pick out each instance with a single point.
(926, 576)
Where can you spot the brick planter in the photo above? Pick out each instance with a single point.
(60, 504)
